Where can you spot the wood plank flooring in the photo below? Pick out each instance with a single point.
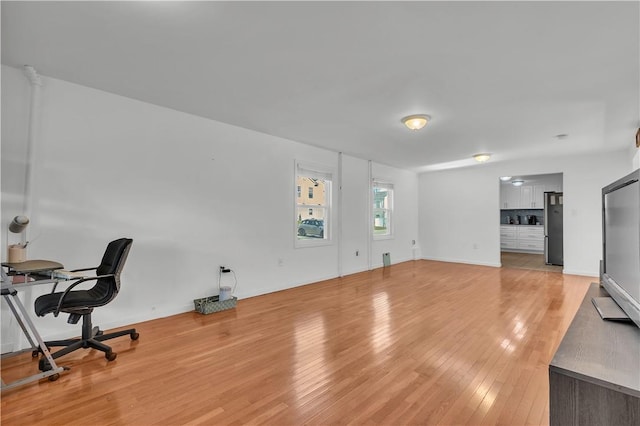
(527, 261)
(420, 342)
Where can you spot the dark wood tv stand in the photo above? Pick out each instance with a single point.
(594, 377)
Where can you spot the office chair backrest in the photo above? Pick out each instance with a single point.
(112, 262)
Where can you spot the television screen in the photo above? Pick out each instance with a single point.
(621, 243)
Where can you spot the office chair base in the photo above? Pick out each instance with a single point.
(92, 338)
(72, 345)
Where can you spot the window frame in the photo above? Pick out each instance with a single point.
(326, 174)
(389, 211)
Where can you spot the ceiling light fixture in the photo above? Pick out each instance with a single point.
(505, 178)
(416, 121)
(517, 182)
(481, 158)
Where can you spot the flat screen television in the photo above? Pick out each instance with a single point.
(620, 268)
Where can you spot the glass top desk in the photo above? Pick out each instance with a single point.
(18, 277)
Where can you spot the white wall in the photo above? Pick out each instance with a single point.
(192, 193)
(15, 104)
(459, 209)
(355, 227)
(405, 221)
(457, 213)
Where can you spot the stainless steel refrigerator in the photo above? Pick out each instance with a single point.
(553, 250)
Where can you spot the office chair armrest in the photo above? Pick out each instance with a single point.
(53, 290)
(80, 281)
(84, 269)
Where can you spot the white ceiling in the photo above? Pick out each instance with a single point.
(498, 77)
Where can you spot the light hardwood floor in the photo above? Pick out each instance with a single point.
(417, 343)
(527, 261)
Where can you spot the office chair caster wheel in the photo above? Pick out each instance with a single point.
(44, 365)
(110, 356)
(54, 377)
(135, 336)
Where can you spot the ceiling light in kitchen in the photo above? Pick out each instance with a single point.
(505, 178)
(517, 182)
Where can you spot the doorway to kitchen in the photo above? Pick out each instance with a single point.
(531, 222)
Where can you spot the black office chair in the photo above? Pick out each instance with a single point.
(80, 303)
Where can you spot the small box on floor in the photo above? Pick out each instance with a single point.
(209, 305)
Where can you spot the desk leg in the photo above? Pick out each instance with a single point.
(31, 332)
(22, 326)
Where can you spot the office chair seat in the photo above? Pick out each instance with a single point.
(78, 300)
(80, 304)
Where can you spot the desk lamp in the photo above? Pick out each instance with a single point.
(16, 252)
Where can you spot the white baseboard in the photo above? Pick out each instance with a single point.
(260, 292)
(375, 266)
(354, 271)
(129, 321)
(593, 274)
(467, 262)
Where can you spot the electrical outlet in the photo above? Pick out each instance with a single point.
(357, 252)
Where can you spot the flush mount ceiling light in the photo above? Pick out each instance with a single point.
(505, 178)
(481, 158)
(416, 121)
(517, 182)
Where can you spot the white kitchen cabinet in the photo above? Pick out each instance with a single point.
(530, 238)
(508, 231)
(530, 232)
(532, 196)
(537, 198)
(509, 197)
(508, 238)
(522, 238)
(508, 245)
(522, 197)
(530, 245)
(526, 197)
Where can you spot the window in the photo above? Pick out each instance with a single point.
(382, 209)
(313, 205)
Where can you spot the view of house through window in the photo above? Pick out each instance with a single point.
(312, 205)
(382, 209)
